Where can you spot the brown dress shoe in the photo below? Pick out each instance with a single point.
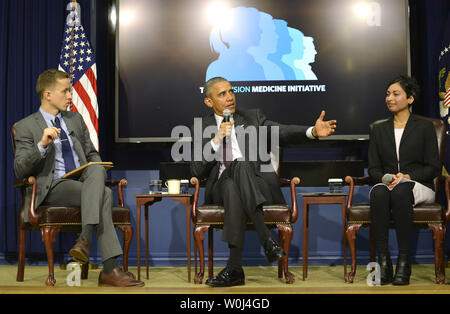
(80, 251)
(118, 278)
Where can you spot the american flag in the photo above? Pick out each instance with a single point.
(77, 59)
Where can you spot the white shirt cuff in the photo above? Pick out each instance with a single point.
(309, 133)
(42, 150)
(214, 146)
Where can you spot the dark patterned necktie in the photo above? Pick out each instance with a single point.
(227, 152)
(67, 153)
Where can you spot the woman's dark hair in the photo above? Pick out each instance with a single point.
(409, 85)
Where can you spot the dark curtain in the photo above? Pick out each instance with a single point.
(427, 22)
(31, 35)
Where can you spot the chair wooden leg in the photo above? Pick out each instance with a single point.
(21, 257)
(127, 237)
(350, 233)
(199, 232)
(48, 234)
(286, 237)
(439, 263)
(195, 258)
(210, 253)
(280, 262)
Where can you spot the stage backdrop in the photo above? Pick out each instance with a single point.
(30, 41)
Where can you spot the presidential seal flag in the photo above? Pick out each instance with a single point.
(444, 67)
(77, 59)
(444, 88)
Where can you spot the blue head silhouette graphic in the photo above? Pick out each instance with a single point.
(297, 52)
(232, 43)
(257, 47)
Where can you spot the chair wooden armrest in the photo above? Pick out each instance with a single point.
(24, 183)
(120, 184)
(18, 183)
(361, 180)
(352, 181)
(196, 183)
(294, 181)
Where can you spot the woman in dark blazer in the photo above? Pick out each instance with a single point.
(403, 161)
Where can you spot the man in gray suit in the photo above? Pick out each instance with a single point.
(54, 141)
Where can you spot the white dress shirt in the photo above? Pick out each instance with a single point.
(236, 152)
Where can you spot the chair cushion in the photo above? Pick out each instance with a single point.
(62, 215)
(423, 213)
(214, 214)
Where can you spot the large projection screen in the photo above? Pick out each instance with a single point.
(289, 58)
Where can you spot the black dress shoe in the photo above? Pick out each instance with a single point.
(228, 277)
(403, 270)
(386, 270)
(273, 251)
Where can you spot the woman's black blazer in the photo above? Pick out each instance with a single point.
(419, 154)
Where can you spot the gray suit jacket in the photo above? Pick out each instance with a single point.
(28, 161)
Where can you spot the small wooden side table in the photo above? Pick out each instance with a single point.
(147, 200)
(321, 198)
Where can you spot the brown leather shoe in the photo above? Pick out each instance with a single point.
(118, 278)
(80, 251)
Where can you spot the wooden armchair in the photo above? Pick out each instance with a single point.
(433, 216)
(52, 219)
(207, 217)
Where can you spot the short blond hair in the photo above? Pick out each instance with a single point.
(47, 79)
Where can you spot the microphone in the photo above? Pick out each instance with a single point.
(227, 118)
(388, 178)
(226, 115)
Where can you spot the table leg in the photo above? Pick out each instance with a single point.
(188, 234)
(138, 222)
(344, 239)
(187, 202)
(305, 239)
(146, 240)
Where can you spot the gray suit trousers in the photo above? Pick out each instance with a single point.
(95, 200)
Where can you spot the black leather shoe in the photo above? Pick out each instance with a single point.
(386, 270)
(273, 251)
(403, 270)
(228, 277)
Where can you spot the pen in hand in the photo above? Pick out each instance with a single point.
(50, 134)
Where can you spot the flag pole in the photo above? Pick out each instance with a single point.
(72, 62)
